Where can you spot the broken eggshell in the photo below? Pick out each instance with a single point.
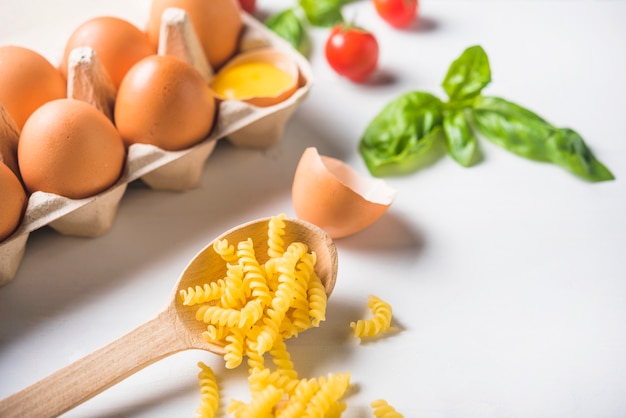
(330, 194)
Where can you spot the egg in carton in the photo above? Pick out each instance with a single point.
(246, 124)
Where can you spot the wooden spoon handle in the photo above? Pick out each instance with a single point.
(94, 373)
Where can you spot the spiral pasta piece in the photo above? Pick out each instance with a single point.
(255, 360)
(250, 313)
(261, 405)
(299, 317)
(275, 242)
(254, 282)
(287, 283)
(382, 409)
(287, 329)
(299, 399)
(300, 312)
(202, 294)
(233, 295)
(260, 379)
(378, 323)
(234, 349)
(282, 359)
(216, 315)
(317, 298)
(236, 408)
(209, 397)
(225, 250)
(336, 410)
(331, 390)
(215, 333)
(269, 330)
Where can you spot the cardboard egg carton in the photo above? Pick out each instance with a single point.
(243, 124)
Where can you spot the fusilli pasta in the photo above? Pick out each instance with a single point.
(378, 323)
(209, 397)
(382, 409)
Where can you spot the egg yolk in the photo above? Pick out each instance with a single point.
(252, 79)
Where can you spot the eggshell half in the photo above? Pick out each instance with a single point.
(330, 194)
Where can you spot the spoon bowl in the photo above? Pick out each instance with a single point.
(208, 264)
(172, 330)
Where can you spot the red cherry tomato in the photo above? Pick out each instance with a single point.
(248, 5)
(352, 52)
(398, 13)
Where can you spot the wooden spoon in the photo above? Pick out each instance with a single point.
(174, 329)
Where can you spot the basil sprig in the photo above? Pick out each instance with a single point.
(397, 140)
(291, 24)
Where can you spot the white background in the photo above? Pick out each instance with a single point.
(507, 279)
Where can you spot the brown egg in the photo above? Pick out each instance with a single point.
(27, 80)
(118, 44)
(331, 195)
(217, 23)
(12, 201)
(164, 101)
(69, 148)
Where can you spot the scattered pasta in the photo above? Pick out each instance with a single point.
(378, 323)
(209, 398)
(382, 409)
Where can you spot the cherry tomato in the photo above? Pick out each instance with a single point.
(352, 52)
(398, 13)
(248, 5)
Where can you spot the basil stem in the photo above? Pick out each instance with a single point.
(399, 138)
(289, 26)
(468, 74)
(460, 140)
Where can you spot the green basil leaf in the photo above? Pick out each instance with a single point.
(398, 140)
(568, 150)
(323, 13)
(460, 139)
(288, 25)
(468, 74)
(512, 127)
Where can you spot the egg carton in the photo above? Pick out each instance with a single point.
(241, 123)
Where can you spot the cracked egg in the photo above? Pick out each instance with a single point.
(330, 194)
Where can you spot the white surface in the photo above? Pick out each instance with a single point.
(508, 278)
